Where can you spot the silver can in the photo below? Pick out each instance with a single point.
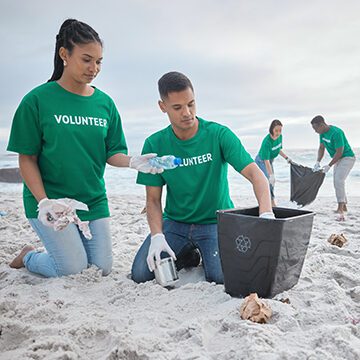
(165, 272)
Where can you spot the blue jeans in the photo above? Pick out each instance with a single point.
(68, 251)
(179, 236)
(261, 164)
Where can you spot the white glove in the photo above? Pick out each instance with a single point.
(141, 163)
(48, 208)
(325, 168)
(317, 166)
(267, 215)
(289, 161)
(272, 179)
(157, 246)
(59, 213)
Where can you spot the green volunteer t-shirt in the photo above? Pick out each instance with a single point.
(270, 148)
(199, 187)
(72, 136)
(334, 139)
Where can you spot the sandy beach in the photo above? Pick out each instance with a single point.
(87, 316)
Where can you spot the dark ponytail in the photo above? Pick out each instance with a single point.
(71, 32)
(273, 124)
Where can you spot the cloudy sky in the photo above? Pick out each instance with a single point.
(249, 61)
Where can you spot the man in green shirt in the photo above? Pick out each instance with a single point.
(196, 189)
(334, 141)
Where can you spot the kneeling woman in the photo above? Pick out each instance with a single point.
(270, 148)
(65, 131)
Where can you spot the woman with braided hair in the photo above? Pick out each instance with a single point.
(65, 131)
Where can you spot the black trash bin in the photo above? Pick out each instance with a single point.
(262, 255)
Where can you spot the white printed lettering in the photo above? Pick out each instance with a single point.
(276, 147)
(196, 160)
(58, 118)
(80, 120)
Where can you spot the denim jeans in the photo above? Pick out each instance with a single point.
(180, 235)
(261, 164)
(68, 251)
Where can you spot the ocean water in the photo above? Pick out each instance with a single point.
(123, 181)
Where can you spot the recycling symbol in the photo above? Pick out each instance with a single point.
(243, 243)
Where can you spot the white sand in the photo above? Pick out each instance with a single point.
(87, 316)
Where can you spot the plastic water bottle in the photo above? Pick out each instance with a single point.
(165, 162)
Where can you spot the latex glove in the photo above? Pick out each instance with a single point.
(48, 208)
(157, 246)
(325, 168)
(141, 163)
(272, 179)
(317, 166)
(267, 215)
(59, 213)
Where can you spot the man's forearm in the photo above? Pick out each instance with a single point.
(154, 217)
(338, 155)
(262, 194)
(320, 154)
(260, 185)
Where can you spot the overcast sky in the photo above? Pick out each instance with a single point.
(250, 61)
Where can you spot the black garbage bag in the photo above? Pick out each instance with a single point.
(305, 184)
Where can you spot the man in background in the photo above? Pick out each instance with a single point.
(343, 159)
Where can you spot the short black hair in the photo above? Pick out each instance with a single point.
(318, 120)
(173, 82)
(273, 124)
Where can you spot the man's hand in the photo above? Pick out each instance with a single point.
(325, 168)
(289, 161)
(272, 179)
(317, 166)
(267, 215)
(141, 163)
(157, 246)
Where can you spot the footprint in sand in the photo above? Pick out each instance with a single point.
(355, 294)
(345, 280)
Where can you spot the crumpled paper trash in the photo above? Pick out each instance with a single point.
(255, 309)
(65, 211)
(337, 240)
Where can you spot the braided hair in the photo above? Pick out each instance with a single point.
(71, 32)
